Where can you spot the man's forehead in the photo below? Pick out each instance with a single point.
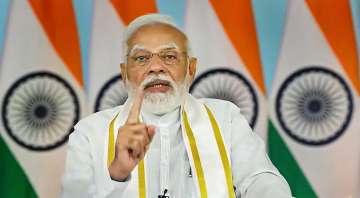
(156, 36)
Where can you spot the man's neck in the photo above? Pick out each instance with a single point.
(166, 119)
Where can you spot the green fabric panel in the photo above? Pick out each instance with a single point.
(13, 181)
(282, 158)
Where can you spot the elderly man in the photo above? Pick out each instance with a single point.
(163, 142)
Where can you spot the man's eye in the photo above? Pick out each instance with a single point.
(171, 57)
(140, 58)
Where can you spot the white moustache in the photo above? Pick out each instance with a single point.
(158, 79)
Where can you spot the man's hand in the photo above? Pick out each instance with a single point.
(132, 142)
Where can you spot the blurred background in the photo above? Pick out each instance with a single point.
(292, 66)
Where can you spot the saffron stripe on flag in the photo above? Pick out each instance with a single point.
(129, 10)
(242, 35)
(58, 20)
(339, 32)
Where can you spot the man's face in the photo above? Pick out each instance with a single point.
(157, 60)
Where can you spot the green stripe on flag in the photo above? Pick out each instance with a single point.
(282, 158)
(13, 181)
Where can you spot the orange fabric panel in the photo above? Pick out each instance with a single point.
(238, 22)
(335, 21)
(128, 10)
(58, 20)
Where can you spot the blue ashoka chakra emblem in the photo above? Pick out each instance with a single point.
(112, 94)
(226, 84)
(314, 106)
(40, 110)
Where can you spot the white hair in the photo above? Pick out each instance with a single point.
(150, 19)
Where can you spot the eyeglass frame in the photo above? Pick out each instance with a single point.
(158, 55)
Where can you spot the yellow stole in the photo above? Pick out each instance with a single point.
(194, 151)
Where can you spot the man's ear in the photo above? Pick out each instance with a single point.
(192, 68)
(123, 71)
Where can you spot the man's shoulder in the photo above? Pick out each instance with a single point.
(219, 105)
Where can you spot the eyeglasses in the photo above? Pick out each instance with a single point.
(143, 57)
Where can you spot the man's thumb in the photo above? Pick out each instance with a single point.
(151, 131)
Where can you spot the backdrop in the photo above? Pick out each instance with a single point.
(292, 66)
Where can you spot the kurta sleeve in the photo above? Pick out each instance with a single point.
(79, 176)
(83, 175)
(254, 175)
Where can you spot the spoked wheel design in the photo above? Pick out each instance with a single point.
(226, 84)
(40, 110)
(112, 94)
(314, 106)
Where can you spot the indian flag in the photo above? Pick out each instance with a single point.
(106, 88)
(41, 96)
(223, 38)
(314, 126)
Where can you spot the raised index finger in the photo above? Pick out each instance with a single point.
(136, 107)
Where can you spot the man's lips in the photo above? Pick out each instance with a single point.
(158, 86)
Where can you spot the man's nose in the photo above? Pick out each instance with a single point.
(156, 65)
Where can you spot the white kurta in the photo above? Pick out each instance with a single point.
(168, 167)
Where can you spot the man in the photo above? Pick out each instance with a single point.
(163, 142)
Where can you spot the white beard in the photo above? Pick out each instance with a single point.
(161, 103)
